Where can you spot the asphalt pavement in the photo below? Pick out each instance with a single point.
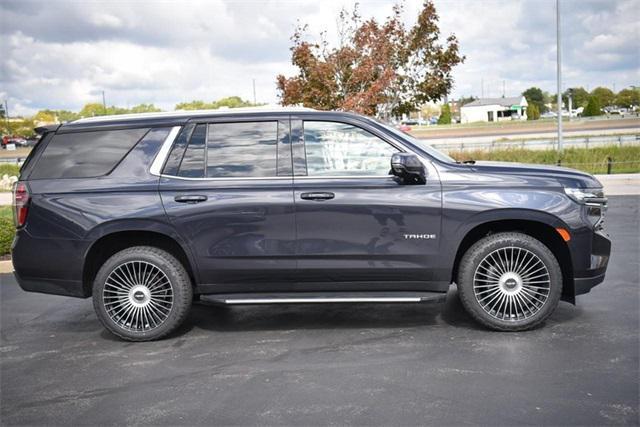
(332, 364)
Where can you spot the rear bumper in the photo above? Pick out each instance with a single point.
(69, 288)
(50, 266)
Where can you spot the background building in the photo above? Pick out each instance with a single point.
(494, 110)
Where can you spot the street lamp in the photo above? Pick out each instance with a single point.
(559, 71)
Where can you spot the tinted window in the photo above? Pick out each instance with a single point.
(338, 149)
(85, 154)
(192, 165)
(246, 149)
(177, 151)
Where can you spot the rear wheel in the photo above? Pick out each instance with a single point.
(142, 293)
(509, 281)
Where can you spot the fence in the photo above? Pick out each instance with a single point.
(537, 144)
(609, 166)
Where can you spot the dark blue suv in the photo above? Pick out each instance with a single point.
(145, 213)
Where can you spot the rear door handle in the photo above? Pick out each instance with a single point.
(317, 196)
(196, 198)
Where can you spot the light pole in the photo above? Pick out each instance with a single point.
(6, 116)
(254, 93)
(559, 70)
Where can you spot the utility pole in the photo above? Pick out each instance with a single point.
(559, 71)
(104, 104)
(6, 116)
(482, 88)
(254, 92)
(503, 88)
(570, 95)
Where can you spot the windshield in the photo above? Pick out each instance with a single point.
(420, 143)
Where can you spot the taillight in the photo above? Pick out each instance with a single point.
(20, 203)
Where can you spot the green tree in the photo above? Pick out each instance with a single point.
(579, 97)
(232, 102)
(195, 105)
(445, 115)
(592, 108)
(628, 97)
(229, 102)
(23, 127)
(536, 96)
(45, 116)
(144, 108)
(604, 96)
(532, 112)
(92, 109)
(65, 116)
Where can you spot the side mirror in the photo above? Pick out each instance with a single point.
(408, 168)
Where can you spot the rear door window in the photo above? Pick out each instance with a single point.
(243, 150)
(85, 154)
(192, 165)
(232, 150)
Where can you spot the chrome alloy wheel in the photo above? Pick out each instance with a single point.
(138, 296)
(511, 284)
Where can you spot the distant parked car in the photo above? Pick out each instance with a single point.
(16, 140)
(32, 141)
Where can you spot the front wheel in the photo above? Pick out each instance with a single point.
(142, 293)
(509, 281)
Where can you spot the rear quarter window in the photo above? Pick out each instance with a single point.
(85, 154)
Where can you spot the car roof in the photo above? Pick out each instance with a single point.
(174, 118)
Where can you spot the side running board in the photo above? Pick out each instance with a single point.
(325, 297)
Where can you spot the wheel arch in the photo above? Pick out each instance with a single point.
(540, 230)
(116, 239)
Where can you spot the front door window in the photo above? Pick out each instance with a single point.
(338, 149)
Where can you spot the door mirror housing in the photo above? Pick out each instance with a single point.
(408, 168)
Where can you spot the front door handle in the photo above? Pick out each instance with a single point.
(189, 198)
(317, 196)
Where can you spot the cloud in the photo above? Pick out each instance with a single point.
(64, 54)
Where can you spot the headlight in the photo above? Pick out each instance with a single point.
(587, 196)
(594, 201)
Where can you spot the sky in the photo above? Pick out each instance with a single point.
(63, 54)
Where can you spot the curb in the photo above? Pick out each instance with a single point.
(6, 267)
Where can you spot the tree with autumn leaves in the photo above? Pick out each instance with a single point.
(377, 68)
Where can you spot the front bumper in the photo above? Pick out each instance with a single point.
(592, 269)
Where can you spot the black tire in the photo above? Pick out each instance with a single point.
(161, 302)
(529, 296)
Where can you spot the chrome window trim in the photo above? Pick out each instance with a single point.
(235, 178)
(161, 157)
(268, 178)
(307, 177)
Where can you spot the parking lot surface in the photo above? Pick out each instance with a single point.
(332, 364)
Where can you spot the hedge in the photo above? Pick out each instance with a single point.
(7, 231)
(9, 169)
